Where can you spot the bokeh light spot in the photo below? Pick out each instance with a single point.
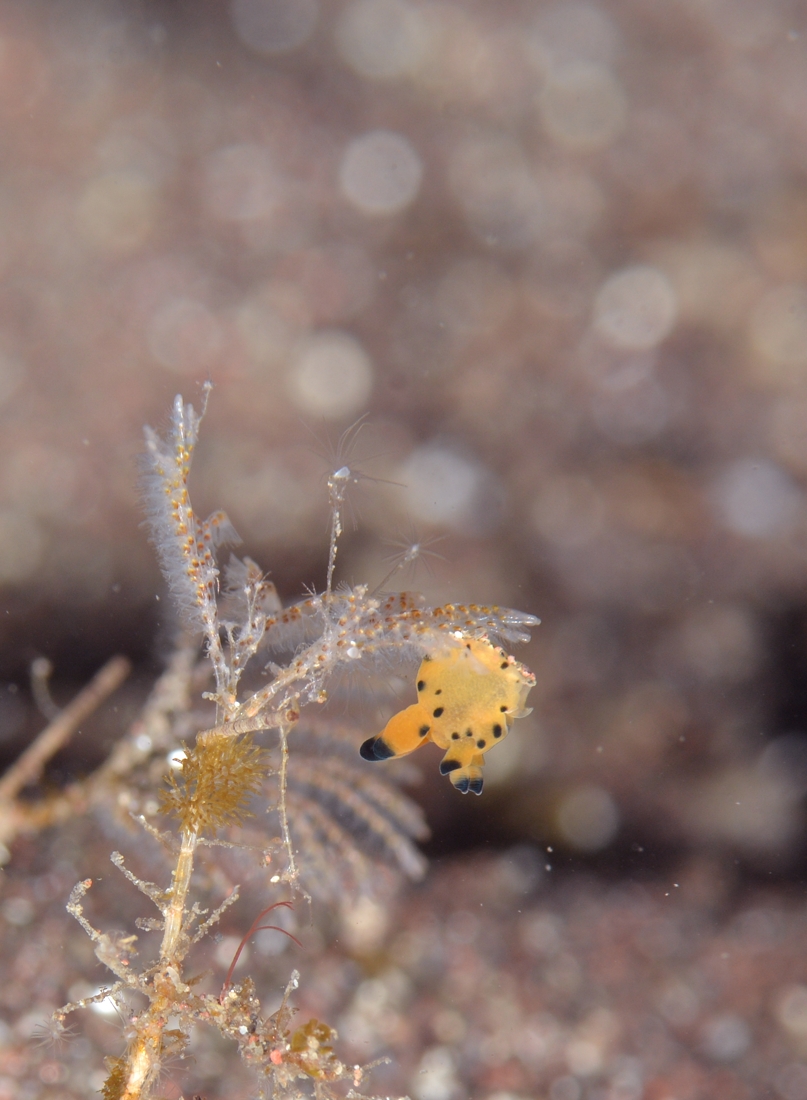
(274, 26)
(779, 330)
(587, 818)
(380, 173)
(443, 487)
(184, 336)
(635, 308)
(22, 546)
(116, 212)
(582, 107)
(382, 39)
(240, 183)
(756, 498)
(498, 191)
(332, 376)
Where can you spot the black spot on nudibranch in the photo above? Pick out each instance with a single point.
(421, 685)
(424, 730)
(449, 766)
(437, 712)
(439, 691)
(481, 743)
(455, 736)
(497, 730)
(504, 664)
(502, 708)
(375, 749)
(469, 733)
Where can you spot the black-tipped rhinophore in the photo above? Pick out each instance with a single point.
(476, 785)
(447, 766)
(375, 748)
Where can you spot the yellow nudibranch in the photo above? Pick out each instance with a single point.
(469, 693)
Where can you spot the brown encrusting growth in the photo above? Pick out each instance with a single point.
(215, 781)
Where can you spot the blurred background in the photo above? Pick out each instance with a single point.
(557, 251)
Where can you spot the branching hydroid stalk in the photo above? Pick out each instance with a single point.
(222, 772)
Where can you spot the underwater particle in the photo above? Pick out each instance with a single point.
(274, 26)
(332, 376)
(382, 39)
(635, 308)
(587, 818)
(380, 173)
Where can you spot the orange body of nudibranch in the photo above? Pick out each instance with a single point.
(469, 693)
